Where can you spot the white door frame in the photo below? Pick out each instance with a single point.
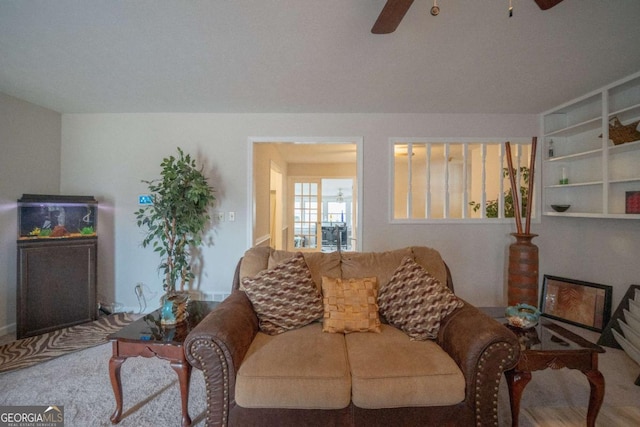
(357, 140)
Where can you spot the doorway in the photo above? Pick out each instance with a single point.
(338, 231)
(319, 214)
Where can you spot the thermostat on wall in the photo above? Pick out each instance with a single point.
(145, 199)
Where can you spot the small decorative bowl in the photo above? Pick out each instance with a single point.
(523, 316)
(560, 208)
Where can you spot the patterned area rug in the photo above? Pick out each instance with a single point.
(576, 417)
(29, 351)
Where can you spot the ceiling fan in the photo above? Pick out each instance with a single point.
(394, 10)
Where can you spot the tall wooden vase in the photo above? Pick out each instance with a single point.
(523, 271)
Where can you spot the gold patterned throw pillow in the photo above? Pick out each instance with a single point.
(284, 297)
(416, 302)
(350, 305)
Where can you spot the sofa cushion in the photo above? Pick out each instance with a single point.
(253, 262)
(350, 305)
(378, 264)
(320, 264)
(303, 369)
(284, 297)
(431, 261)
(390, 371)
(415, 301)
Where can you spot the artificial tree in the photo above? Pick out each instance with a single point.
(177, 218)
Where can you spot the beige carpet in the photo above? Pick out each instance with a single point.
(575, 417)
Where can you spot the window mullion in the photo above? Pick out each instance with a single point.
(501, 206)
(427, 199)
(465, 189)
(483, 201)
(409, 180)
(445, 207)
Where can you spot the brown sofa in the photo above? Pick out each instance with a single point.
(306, 377)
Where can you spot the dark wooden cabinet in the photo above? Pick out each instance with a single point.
(56, 284)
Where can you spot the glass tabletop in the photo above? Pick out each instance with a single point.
(549, 336)
(545, 336)
(149, 328)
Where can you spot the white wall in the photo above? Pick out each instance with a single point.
(29, 163)
(107, 155)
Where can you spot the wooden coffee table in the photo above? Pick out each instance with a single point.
(147, 338)
(549, 345)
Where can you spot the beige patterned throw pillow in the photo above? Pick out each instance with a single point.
(416, 302)
(350, 305)
(284, 297)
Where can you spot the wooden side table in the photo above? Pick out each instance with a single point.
(549, 345)
(146, 337)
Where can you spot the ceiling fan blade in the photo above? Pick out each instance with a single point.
(547, 4)
(391, 15)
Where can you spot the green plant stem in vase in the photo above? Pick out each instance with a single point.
(491, 206)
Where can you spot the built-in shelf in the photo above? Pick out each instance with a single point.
(628, 146)
(599, 172)
(591, 215)
(574, 184)
(590, 153)
(591, 124)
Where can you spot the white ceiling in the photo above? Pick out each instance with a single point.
(311, 56)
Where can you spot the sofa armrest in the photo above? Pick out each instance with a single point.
(483, 349)
(217, 346)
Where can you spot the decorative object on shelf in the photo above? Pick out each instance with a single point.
(523, 254)
(551, 148)
(580, 303)
(620, 134)
(632, 202)
(564, 176)
(560, 208)
(523, 316)
(175, 224)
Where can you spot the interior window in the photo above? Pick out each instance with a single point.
(464, 179)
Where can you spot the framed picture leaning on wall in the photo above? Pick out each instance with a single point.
(576, 302)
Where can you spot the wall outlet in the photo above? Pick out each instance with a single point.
(232, 216)
(219, 216)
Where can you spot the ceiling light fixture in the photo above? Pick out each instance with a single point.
(340, 196)
(435, 9)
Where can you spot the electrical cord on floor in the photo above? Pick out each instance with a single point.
(142, 301)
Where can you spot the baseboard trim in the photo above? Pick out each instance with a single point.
(9, 329)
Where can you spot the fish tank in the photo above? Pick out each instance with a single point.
(56, 217)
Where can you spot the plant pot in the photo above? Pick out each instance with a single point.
(523, 271)
(174, 308)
